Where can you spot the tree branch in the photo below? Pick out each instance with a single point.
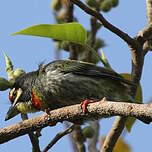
(73, 144)
(145, 35)
(70, 18)
(73, 113)
(78, 138)
(149, 10)
(93, 23)
(33, 138)
(92, 142)
(114, 134)
(130, 41)
(58, 137)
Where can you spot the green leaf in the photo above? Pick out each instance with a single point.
(121, 145)
(72, 32)
(105, 60)
(94, 52)
(139, 99)
(9, 67)
(129, 123)
(4, 84)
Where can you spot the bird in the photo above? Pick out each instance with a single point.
(62, 83)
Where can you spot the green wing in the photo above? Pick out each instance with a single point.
(86, 69)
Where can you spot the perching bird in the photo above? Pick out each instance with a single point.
(65, 82)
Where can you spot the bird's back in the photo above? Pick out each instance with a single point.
(67, 82)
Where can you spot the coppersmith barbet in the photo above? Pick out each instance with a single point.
(65, 82)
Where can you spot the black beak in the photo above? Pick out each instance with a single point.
(12, 112)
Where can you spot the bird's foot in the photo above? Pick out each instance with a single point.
(47, 116)
(85, 103)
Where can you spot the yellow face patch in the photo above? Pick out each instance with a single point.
(14, 95)
(25, 107)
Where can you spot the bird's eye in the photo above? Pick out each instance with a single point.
(12, 95)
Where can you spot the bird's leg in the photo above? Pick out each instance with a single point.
(47, 111)
(85, 103)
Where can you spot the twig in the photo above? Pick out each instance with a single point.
(57, 54)
(149, 11)
(114, 134)
(93, 23)
(73, 52)
(130, 41)
(58, 137)
(78, 138)
(92, 142)
(146, 33)
(33, 138)
(73, 144)
(69, 7)
(73, 113)
(144, 36)
(69, 18)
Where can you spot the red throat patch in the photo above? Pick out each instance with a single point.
(10, 97)
(35, 100)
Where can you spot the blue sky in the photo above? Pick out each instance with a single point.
(28, 52)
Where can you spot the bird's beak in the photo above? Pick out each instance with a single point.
(13, 111)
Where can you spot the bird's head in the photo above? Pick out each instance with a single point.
(22, 101)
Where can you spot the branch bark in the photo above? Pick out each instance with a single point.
(73, 113)
(149, 10)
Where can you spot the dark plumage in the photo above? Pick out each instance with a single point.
(67, 82)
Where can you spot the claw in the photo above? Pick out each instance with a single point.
(85, 103)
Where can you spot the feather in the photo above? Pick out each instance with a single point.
(86, 69)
